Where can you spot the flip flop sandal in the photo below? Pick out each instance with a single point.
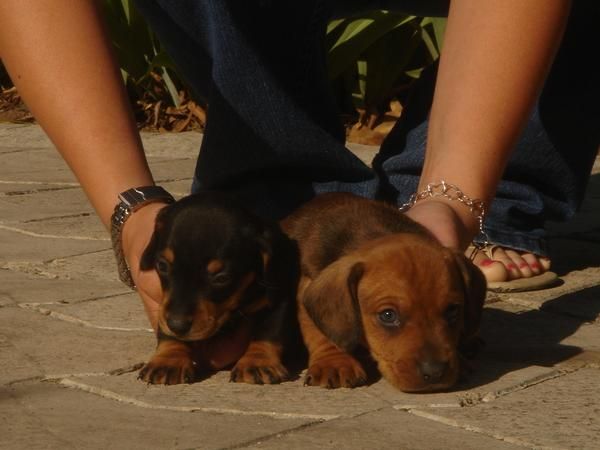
(542, 281)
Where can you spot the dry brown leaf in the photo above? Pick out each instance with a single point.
(181, 125)
(197, 111)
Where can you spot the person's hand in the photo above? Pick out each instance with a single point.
(137, 232)
(450, 222)
(218, 352)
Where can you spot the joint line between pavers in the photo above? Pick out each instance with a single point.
(527, 384)
(55, 378)
(77, 301)
(173, 180)
(92, 299)
(75, 255)
(17, 193)
(280, 434)
(50, 236)
(66, 184)
(64, 216)
(104, 393)
(70, 319)
(474, 429)
(270, 437)
(474, 400)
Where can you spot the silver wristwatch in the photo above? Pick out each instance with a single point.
(129, 202)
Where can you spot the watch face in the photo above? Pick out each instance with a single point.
(134, 198)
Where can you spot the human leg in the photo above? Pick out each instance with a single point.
(539, 183)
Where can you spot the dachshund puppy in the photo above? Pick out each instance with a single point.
(219, 266)
(372, 277)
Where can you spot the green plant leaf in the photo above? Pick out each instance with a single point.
(358, 35)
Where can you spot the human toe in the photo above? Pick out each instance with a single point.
(492, 270)
(525, 267)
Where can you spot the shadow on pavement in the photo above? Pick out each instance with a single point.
(516, 340)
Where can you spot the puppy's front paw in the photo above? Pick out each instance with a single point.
(257, 369)
(335, 371)
(169, 366)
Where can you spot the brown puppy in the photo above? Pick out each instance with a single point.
(370, 276)
(221, 268)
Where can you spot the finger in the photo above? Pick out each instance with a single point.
(150, 291)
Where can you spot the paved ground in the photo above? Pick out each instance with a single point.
(71, 337)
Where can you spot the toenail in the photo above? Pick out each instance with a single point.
(487, 262)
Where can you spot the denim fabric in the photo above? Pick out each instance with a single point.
(548, 171)
(273, 136)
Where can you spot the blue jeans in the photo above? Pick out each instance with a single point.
(273, 136)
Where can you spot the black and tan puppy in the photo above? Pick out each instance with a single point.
(219, 266)
(372, 277)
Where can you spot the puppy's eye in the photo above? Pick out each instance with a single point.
(389, 318)
(452, 313)
(220, 278)
(162, 266)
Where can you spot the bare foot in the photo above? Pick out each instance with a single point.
(455, 226)
(505, 264)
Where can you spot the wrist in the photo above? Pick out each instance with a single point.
(138, 229)
(136, 210)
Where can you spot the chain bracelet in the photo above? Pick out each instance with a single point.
(452, 192)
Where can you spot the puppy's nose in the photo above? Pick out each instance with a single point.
(179, 324)
(432, 370)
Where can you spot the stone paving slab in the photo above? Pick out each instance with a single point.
(217, 394)
(49, 416)
(59, 347)
(35, 165)
(561, 413)
(33, 286)
(489, 380)
(385, 428)
(86, 224)
(572, 283)
(18, 136)
(172, 169)
(512, 331)
(97, 264)
(44, 204)
(19, 246)
(119, 312)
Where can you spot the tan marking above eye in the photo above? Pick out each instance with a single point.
(214, 266)
(168, 255)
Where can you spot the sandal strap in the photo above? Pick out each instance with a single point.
(487, 250)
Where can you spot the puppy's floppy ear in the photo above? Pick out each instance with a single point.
(475, 289)
(150, 255)
(331, 301)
